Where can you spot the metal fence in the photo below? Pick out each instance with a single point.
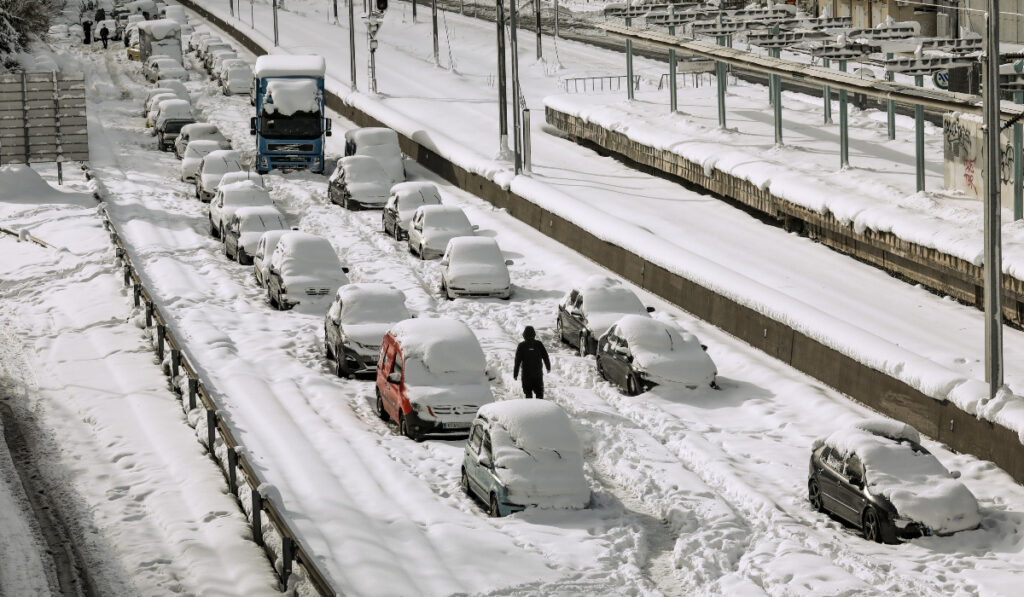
(598, 84)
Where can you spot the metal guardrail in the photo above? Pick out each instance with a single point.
(292, 550)
(598, 83)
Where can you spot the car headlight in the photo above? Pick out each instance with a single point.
(264, 161)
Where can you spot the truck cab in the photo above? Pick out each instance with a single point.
(290, 122)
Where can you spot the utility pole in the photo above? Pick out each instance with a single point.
(433, 17)
(993, 241)
(352, 44)
(499, 18)
(540, 46)
(516, 125)
(275, 22)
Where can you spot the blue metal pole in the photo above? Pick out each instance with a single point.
(844, 130)
(919, 137)
(672, 105)
(827, 94)
(890, 106)
(720, 80)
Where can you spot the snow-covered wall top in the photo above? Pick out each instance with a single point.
(290, 66)
(161, 28)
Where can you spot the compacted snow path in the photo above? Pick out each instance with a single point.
(693, 493)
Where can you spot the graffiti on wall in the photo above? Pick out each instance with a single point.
(963, 145)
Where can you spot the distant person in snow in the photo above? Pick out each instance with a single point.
(533, 359)
(87, 30)
(104, 35)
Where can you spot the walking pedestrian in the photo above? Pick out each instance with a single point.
(104, 35)
(532, 357)
(87, 30)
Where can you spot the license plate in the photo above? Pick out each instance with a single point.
(454, 425)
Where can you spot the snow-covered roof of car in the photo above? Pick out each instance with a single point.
(890, 428)
(242, 190)
(911, 478)
(200, 129)
(361, 168)
(240, 175)
(222, 160)
(443, 214)
(175, 108)
(609, 295)
(290, 66)
(372, 303)
(160, 28)
(419, 188)
(442, 345)
(288, 96)
(200, 147)
(315, 251)
(261, 213)
(475, 248)
(373, 135)
(174, 85)
(534, 424)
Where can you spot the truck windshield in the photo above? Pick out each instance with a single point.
(300, 125)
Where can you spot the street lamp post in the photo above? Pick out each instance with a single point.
(499, 18)
(352, 44)
(993, 241)
(275, 22)
(514, 48)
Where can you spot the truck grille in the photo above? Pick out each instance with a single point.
(307, 147)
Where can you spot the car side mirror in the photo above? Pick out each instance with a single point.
(444, 262)
(252, 125)
(484, 460)
(650, 309)
(508, 262)
(328, 131)
(857, 481)
(955, 474)
(394, 377)
(345, 269)
(704, 347)
(475, 227)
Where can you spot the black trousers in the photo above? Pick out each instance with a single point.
(533, 385)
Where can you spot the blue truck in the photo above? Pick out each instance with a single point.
(290, 122)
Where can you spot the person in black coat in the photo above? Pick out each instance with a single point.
(104, 36)
(87, 30)
(532, 358)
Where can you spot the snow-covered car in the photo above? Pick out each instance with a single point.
(432, 377)
(380, 143)
(230, 197)
(473, 266)
(303, 268)
(154, 105)
(587, 311)
(171, 116)
(153, 93)
(261, 258)
(876, 476)
(432, 226)
(638, 353)
(199, 131)
(358, 182)
(217, 59)
(174, 85)
(355, 325)
(193, 155)
(524, 453)
(198, 34)
(167, 69)
(147, 66)
(235, 79)
(404, 200)
(206, 42)
(211, 52)
(240, 175)
(212, 168)
(244, 229)
(226, 64)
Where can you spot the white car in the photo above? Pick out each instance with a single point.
(235, 79)
(244, 229)
(240, 175)
(152, 95)
(303, 268)
(261, 258)
(147, 66)
(356, 322)
(217, 59)
(154, 105)
(199, 131)
(432, 226)
(212, 168)
(380, 143)
(639, 352)
(211, 52)
(405, 199)
(473, 266)
(174, 85)
(206, 42)
(168, 69)
(358, 182)
(524, 453)
(201, 32)
(193, 155)
(232, 196)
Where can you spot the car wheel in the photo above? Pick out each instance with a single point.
(396, 231)
(384, 226)
(271, 298)
(632, 386)
(600, 369)
(582, 348)
(381, 412)
(342, 369)
(213, 230)
(493, 511)
(814, 496)
(464, 482)
(421, 251)
(404, 429)
(227, 252)
(871, 526)
(327, 346)
(444, 291)
(558, 328)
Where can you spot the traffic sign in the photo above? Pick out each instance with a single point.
(941, 79)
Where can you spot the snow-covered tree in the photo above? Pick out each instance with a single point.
(20, 20)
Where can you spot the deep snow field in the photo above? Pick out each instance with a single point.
(699, 492)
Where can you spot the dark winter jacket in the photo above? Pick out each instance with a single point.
(532, 358)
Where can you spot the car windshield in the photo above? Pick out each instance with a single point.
(380, 310)
(174, 126)
(451, 220)
(300, 125)
(221, 166)
(476, 253)
(260, 223)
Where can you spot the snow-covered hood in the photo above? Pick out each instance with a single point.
(437, 238)
(601, 321)
(477, 275)
(296, 285)
(468, 394)
(369, 336)
(689, 367)
(542, 478)
(368, 192)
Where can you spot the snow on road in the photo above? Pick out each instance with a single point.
(694, 493)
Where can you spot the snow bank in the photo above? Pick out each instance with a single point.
(286, 97)
(290, 66)
(19, 183)
(536, 454)
(912, 479)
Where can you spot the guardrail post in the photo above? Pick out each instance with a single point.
(232, 473)
(672, 99)
(844, 129)
(257, 517)
(919, 137)
(211, 432)
(175, 364)
(526, 141)
(287, 555)
(890, 106)
(149, 314)
(720, 80)
(193, 389)
(137, 294)
(128, 279)
(826, 92)
(161, 333)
